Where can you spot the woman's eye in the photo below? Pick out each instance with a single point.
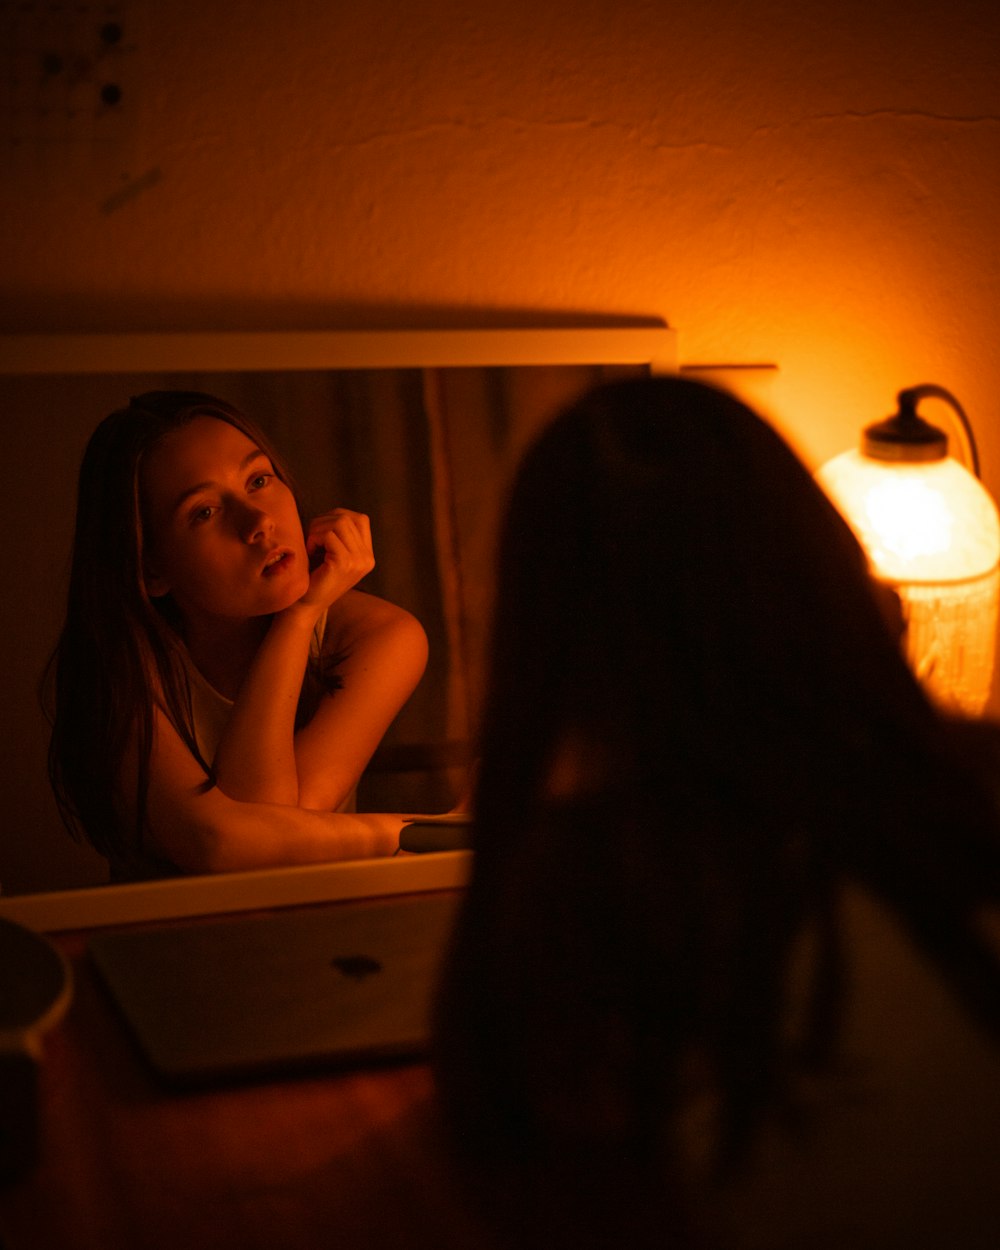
(259, 481)
(200, 515)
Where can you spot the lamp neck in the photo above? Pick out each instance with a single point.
(906, 437)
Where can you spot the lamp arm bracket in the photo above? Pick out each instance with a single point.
(912, 395)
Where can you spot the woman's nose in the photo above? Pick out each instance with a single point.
(254, 524)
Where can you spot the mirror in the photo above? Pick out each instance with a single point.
(419, 429)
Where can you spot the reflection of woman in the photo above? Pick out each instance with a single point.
(220, 685)
(723, 965)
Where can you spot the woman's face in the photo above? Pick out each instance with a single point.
(223, 534)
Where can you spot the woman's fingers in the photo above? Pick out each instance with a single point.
(352, 529)
(343, 539)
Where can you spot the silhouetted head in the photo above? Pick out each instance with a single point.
(698, 727)
(676, 591)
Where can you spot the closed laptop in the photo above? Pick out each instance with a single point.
(293, 990)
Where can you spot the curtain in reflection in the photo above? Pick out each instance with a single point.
(428, 454)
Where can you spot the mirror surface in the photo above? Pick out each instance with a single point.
(420, 430)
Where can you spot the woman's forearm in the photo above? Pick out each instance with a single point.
(261, 758)
(255, 759)
(220, 834)
(200, 828)
(265, 835)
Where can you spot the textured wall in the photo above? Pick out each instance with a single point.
(811, 186)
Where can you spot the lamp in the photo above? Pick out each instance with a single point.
(931, 530)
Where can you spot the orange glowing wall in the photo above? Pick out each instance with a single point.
(817, 186)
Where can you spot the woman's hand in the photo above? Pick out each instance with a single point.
(343, 542)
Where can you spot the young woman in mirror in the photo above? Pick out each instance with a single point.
(724, 974)
(220, 683)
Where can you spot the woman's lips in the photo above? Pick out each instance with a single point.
(278, 562)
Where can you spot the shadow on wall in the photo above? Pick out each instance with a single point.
(29, 313)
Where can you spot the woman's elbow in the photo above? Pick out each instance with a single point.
(202, 839)
(411, 645)
(400, 650)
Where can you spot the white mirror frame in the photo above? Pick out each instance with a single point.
(106, 905)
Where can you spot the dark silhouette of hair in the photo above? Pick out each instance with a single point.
(118, 647)
(684, 615)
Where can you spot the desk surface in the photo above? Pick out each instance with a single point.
(343, 1159)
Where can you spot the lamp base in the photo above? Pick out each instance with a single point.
(950, 642)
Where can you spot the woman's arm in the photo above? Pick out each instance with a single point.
(197, 827)
(260, 759)
(385, 652)
(255, 758)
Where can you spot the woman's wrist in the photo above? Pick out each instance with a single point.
(301, 614)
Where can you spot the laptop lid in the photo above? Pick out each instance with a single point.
(305, 988)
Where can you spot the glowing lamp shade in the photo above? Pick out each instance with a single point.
(932, 531)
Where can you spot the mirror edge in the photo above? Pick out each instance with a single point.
(82, 908)
(177, 897)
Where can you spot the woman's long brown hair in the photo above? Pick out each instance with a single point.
(118, 652)
(681, 608)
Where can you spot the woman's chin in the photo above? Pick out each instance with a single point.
(290, 592)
